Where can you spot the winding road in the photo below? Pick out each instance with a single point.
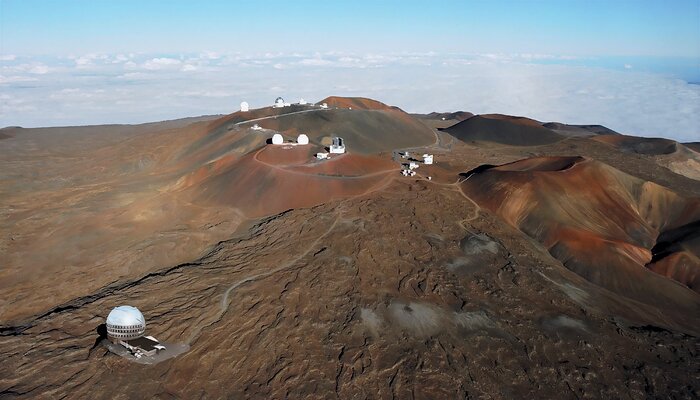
(225, 303)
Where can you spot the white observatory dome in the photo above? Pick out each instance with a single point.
(279, 102)
(125, 323)
(302, 101)
(303, 139)
(244, 106)
(277, 139)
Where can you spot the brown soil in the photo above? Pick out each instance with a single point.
(289, 277)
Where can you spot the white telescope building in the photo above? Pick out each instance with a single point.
(337, 145)
(277, 139)
(126, 326)
(125, 323)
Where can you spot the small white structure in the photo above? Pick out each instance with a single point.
(427, 159)
(337, 145)
(324, 106)
(405, 154)
(322, 156)
(279, 103)
(408, 172)
(302, 139)
(277, 139)
(256, 127)
(302, 101)
(413, 165)
(244, 106)
(143, 346)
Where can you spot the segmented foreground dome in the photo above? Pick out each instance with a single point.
(126, 322)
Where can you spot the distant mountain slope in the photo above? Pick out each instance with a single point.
(679, 158)
(357, 103)
(579, 130)
(515, 131)
(449, 116)
(640, 145)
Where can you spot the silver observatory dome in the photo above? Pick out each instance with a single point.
(125, 323)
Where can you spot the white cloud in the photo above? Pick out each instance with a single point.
(83, 62)
(315, 62)
(16, 78)
(627, 100)
(120, 58)
(7, 57)
(39, 69)
(209, 55)
(130, 65)
(135, 75)
(35, 68)
(161, 63)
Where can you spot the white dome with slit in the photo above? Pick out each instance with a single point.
(303, 139)
(125, 322)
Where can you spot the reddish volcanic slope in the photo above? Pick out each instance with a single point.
(277, 178)
(601, 223)
(504, 129)
(641, 145)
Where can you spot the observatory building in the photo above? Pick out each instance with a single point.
(256, 127)
(427, 159)
(302, 139)
(277, 139)
(126, 326)
(302, 101)
(124, 323)
(337, 145)
(324, 106)
(244, 106)
(279, 103)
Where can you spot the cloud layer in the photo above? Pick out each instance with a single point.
(132, 88)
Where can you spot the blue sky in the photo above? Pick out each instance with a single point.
(633, 66)
(600, 28)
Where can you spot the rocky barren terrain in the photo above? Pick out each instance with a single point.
(538, 261)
